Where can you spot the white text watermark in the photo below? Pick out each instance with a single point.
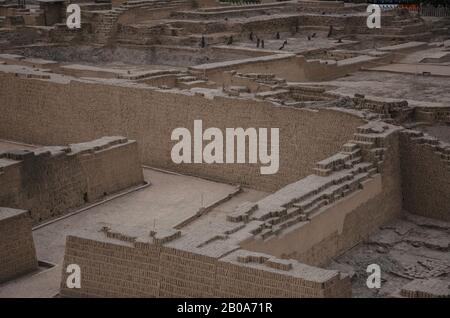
(236, 145)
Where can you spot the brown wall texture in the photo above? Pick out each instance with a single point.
(46, 112)
(49, 183)
(17, 253)
(425, 178)
(119, 269)
(346, 222)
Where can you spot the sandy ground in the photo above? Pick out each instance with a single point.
(434, 70)
(408, 248)
(391, 85)
(121, 68)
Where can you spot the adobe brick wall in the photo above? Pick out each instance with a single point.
(112, 270)
(425, 175)
(253, 280)
(17, 253)
(46, 112)
(186, 274)
(112, 169)
(345, 222)
(50, 181)
(286, 66)
(141, 269)
(364, 220)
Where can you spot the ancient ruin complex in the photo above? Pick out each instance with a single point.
(87, 175)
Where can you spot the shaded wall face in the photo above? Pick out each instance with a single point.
(54, 13)
(425, 180)
(117, 3)
(17, 253)
(48, 113)
(292, 69)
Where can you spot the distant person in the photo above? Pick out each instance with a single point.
(330, 31)
(284, 44)
(203, 42)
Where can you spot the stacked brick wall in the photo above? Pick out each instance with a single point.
(17, 253)
(50, 181)
(425, 167)
(235, 280)
(368, 217)
(347, 218)
(432, 115)
(113, 269)
(44, 186)
(157, 54)
(51, 113)
(426, 288)
(185, 274)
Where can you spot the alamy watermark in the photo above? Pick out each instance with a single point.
(74, 278)
(74, 18)
(374, 278)
(374, 18)
(235, 145)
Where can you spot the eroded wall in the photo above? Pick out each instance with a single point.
(50, 182)
(17, 252)
(425, 176)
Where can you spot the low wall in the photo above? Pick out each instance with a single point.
(50, 181)
(287, 66)
(432, 114)
(51, 113)
(425, 167)
(291, 67)
(142, 269)
(130, 54)
(17, 252)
